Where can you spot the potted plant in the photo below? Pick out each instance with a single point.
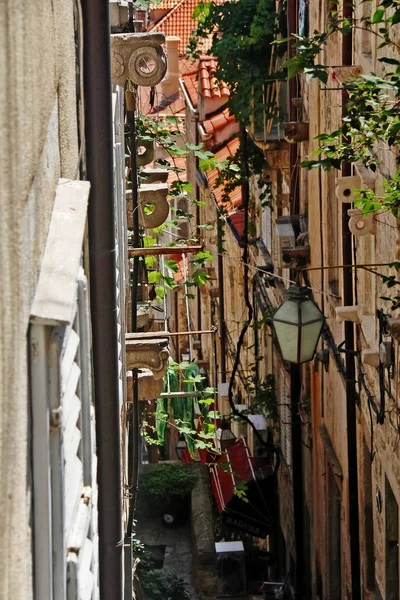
(168, 487)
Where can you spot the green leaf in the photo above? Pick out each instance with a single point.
(149, 261)
(389, 61)
(149, 241)
(169, 282)
(154, 277)
(172, 265)
(378, 15)
(201, 257)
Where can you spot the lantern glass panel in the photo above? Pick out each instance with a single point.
(289, 312)
(309, 339)
(310, 312)
(288, 339)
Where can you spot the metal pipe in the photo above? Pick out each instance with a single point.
(221, 298)
(295, 386)
(156, 335)
(292, 110)
(134, 430)
(352, 266)
(181, 395)
(157, 250)
(297, 470)
(347, 258)
(101, 219)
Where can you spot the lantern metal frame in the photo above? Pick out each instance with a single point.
(225, 441)
(299, 294)
(180, 448)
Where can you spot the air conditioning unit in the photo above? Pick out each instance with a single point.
(292, 234)
(285, 233)
(231, 581)
(273, 590)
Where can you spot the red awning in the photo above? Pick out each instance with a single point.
(253, 513)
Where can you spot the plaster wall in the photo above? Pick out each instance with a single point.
(39, 144)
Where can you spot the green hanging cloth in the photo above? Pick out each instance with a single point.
(190, 386)
(162, 416)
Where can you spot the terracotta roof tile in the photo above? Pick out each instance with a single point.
(218, 121)
(234, 203)
(163, 5)
(175, 105)
(179, 22)
(180, 163)
(211, 87)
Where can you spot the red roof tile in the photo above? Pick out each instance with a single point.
(163, 5)
(210, 86)
(175, 105)
(180, 163)
(235, 196)
(179, 22)
(218, 121)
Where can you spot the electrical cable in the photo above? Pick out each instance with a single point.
(247, 300)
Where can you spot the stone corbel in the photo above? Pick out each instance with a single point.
(142, 353)
(296, 131)
(277, 156)
(138, 57)
(149, 388)
(360, 224)
(349, 313)
(340, 74)
(346, 188)
(154, 197)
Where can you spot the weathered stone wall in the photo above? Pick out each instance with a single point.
(39, 144)
(203, 542)
(322, 108)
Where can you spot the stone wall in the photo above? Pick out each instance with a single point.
(203, 543)
(322, 109)
(39, 144)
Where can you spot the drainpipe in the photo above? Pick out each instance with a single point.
(347, 259)
(292, 110)
(221, 298)
(101, 218)
(297, 481)
(295, 375)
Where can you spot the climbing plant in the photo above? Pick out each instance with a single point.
(372, 109)
(242, 33)
(156, 584)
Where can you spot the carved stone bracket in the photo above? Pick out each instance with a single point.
(154, 197)
(277, 156)
(142, 353)
(149, 388)
(138, 57)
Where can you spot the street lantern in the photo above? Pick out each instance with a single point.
(181, 448)
(225, 436)
(298, 323)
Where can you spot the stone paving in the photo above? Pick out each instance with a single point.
(178, 556)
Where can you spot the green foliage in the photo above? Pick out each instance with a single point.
(167, 482)
(242, 35)
(367, 201)
(263, 397)
(156, 584)
(371, 118)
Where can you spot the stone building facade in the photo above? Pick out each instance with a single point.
(39, 130)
